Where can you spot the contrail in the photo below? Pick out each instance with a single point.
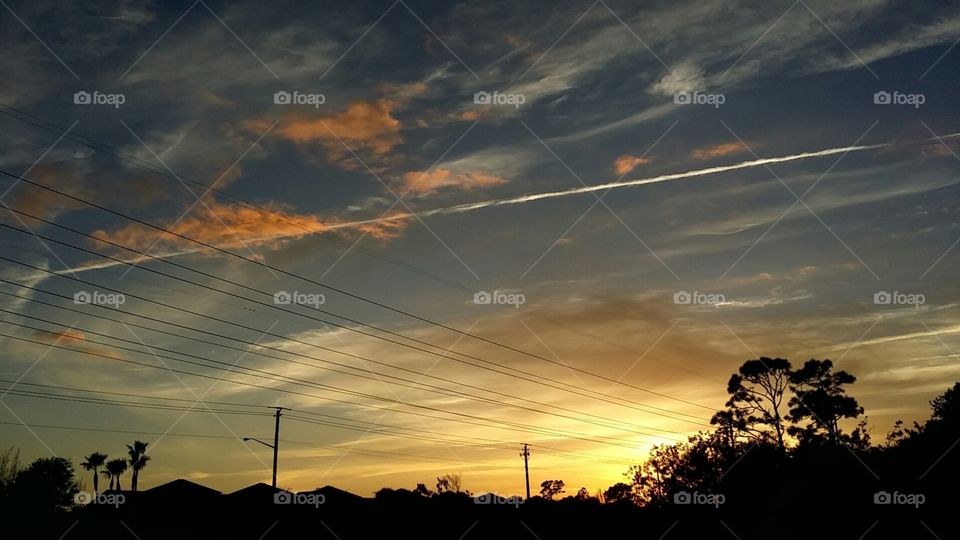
(521, 199)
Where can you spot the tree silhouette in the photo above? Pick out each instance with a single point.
(551, 488)
(114, 470)
(138, 460)
(423, 490)
(944, 421)
(47, 484)
(449, 482)
(819, 397)
(9, 466)
(756, 396)
(93, 462)
(619, 492)
(698, 464)
(946, 407)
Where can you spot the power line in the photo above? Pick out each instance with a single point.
(427, 387)
(362, 451)
(347, 293)
(133, 404)
(274, 306)
(372, 428)
(125, 394)
(539, 380)
(376, 375)
(352, 450)
(504, 424)
(14, 383)
(12, 391)
(528, 375)
(59, 130)
(246, 351)
(89, 142)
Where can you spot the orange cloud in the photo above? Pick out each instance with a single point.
(626, 163)
(430, 181)
(364, 126)
(720, 150)
(237, 226)
(76, 340)
(46, 204)
(385, 229)
(63, 336)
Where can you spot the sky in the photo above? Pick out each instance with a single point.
(438, 231)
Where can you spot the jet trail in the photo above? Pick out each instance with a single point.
(521, 199)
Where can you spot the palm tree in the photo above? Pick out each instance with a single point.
(115, 469)
(138, 460)
(93, 462)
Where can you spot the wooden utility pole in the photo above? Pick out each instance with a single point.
(525, 452)
(276, 441)
(276, 444)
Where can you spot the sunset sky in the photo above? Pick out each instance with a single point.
(438, 151)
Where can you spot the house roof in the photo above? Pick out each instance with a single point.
(181, 488)
(335, 493)
(256, 490)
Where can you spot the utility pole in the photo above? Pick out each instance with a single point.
(276, 445)
(525, 452)
(276, 441)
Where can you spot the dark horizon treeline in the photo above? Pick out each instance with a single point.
(777, 453)
(784, 423)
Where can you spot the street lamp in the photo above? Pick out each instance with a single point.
(276, 442)
(268, 445)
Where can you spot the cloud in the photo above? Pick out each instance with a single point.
(763, 301)
(364, 126)
(62, 336)
(949, 330)
(47, 204)
(234, 225)
(645, 115)
(617, 184)
(685, 77)
(626, 163)
(73, 339)
(385, 230)
(431, 181)
(719, 150)
(368, 124)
